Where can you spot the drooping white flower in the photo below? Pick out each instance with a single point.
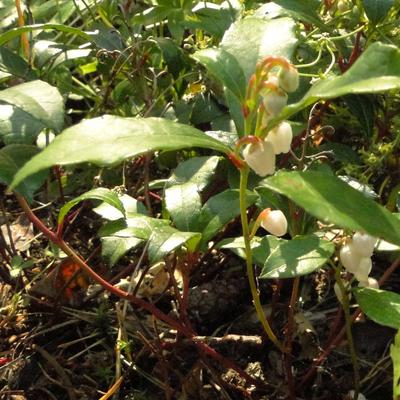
(274, 221)
(260, 157)
(349, 258)
(289, 79)
(370, 282)
(280, 137)
(274, 100)
(364, 269)
(364, 244)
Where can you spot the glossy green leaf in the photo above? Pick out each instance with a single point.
(12, 157)
(162, 237)
(331, 200)
(261, 247)
(251, 39)
(102, 194)
(131, 207)
(41, 101)
(108, 140)
(298, 256)
(376, 70)
(225, 67)
(382, 306)
(218, 211)
(305, 10)
(395, 355)
(12, 64)
(182, 196)
(18, 126)
(113, 248)
(15, 32)
(377, 10)
(363, 109)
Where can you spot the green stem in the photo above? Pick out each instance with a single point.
(349, 334)
(244, 173)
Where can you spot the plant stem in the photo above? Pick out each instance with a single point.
(349, 334)
(21, 24)
(244, 173)
(149, 307)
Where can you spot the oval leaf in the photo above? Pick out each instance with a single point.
(226, 68)
(108, 140)
(40, 100)
(374, 301)
(12, 157)
(377, 10)
(251, 39)
(376, 70)
(330, 199)
(299, 256)
(103, 194)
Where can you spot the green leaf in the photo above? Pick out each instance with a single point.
(363, 109)
(377, 10)
(331, 200)
(113, 248)
(218, 211)
(162, 237)
(112, 213)
(108, 140)
(298, 256)
(382, 306)
(103, 194)
(251, 39)
(376, 70)
(395, 355)
(305, 10)
(182, 196)
(12, 157)
(41, 101)
(226, 68)
(17, 126)
(15, 32)
(12, 64)
(261, 248)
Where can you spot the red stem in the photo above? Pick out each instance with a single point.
(202, 347)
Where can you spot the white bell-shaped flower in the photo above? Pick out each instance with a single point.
(338, 292)
(364, 269)
(349, 258)
(364, 244)
(274, 221)
(280, 137)
(370, 283)
(260, 157)
(289, 79)
(274, 100)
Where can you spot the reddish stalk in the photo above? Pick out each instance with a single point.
(149, 307)
(289, 339)
(330, 346)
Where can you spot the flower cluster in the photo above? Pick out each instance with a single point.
(355, 257)
(272, 87)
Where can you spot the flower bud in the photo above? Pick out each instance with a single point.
(274, 222)
(260, 157)
(289, 79)
(370, 283)
(274, 100)
(349, 258)
(364, 244)
(343, 6)
(281, 138)
(364, 269)
(338, 292)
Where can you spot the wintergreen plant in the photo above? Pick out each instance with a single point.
(287, 183)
